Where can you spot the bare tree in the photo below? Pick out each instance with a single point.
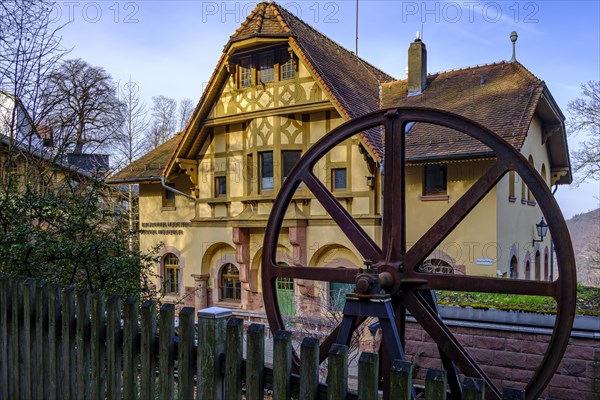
(29, 51)
(163, 124)
(85, 109)
(130, 144)
(585, 117)
(186, 108)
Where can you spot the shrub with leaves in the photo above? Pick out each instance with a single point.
(73, 236)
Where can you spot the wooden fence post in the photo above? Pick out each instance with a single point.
(17, 340)
(130, 349)
(473, 389)
(401, 380)
(54, 341)
(255, 361)
(42, 343)
(82, 334)
(436, 384)
(309, 368)
(68, 343)
(5, 316)
(211, 343)
(337, 372)
(282, 362)
(513, 394)
(147, 350)
(368, 376)
(166, 353)
(113, 347)
(28, 337)
(186, 357)
(233, 359)
(98, 348)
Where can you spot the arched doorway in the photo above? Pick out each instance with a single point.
(546, 267)
(285, 295)
(538, 266)
(528, 270)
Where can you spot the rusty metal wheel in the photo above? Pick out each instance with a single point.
(410, 286)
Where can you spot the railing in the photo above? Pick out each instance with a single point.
(59, 343)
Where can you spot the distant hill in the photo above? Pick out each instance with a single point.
(585, 234)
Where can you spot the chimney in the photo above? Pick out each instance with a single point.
(417, 67)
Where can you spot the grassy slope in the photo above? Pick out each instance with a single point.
(588, 301)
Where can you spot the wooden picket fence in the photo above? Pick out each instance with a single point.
(59, 343)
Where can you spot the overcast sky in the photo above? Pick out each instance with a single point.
(171, 47)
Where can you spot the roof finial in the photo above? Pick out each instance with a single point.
(513, 39)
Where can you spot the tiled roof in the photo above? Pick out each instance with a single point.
(351, 81)
(149, 167)
(501, 96)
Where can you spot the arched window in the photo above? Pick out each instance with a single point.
(543, 173)
(514, 268)
(511, 186)
(230, 283)
(529, 194)
(170, 274)
(436, 266)
(538, 266)
(546, 267)
(527, 270)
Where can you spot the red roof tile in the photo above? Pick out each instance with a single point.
(501, 96)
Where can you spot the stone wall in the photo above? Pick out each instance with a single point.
(510, 353)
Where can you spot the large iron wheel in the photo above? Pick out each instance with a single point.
(410, 286)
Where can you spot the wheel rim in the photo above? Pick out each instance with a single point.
(393, 257)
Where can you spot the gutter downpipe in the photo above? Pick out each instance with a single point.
(552, 246)
(169, 188)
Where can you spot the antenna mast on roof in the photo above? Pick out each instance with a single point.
(356, 48)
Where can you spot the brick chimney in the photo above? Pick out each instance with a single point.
(417, 67)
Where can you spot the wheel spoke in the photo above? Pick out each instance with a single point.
(359, 238)
(439, 332)
(442, 228)
(470, 283)
(323, 274)
(394, 196)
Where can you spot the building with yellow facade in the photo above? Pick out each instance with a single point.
(206, 194)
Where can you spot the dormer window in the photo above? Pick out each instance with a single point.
(266, 68)
(288, 66)
(246, 72)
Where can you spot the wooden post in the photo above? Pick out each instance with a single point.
(98, 349)
(130, 349)
(28, 337)
(436, 384)
(54, 348)
(513, 394)
(67, 385)
(42, 361)
(401, 380)
(147, 350)
(337, 372)
(309, 368)
(473, 389)
(113, 347)
(186, 357)
(368, 376)
(166, 353)
(17, 340)
(282, 362)
(255, 361)
(5, 332)
(233, 359)
(82, 334)
(211, 343)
